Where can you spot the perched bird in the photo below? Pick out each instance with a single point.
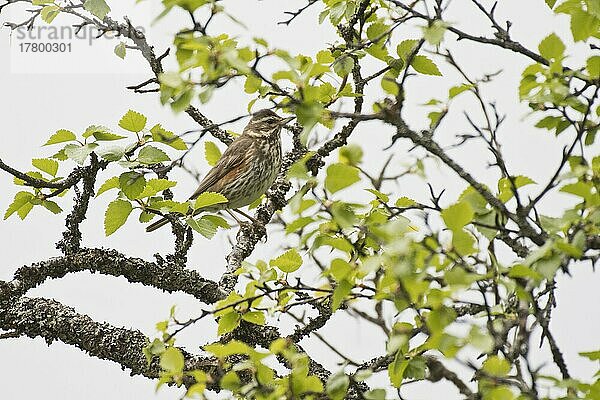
(247, 168)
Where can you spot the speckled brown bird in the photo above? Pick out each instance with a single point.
(247, 168)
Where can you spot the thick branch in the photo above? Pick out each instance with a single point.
(161, 275)
(51, 320)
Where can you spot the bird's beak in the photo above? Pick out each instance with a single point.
(285, 121)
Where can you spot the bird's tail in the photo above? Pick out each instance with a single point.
(154, 226)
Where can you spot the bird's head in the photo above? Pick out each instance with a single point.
(266, 124)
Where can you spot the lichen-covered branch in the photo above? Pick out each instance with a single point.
(161, 274)
(51, 320)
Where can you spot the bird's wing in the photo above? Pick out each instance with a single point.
(227, 168)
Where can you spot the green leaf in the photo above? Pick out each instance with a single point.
(101, 133)
(121, 50)
(351, 154)
(230, 381)
(46, 165)
(593, 66)
(50, 12)
(20, 204)
(521, 271)
(340, 269)
(171, 79)
(182, 101)
(208, 199)
(548, 266)
(298, 224)
(222, 351)
(308, 384)
(343, 214)
(379, 195)
(172, 360)
(339, 243)
(61, 136)
(289, 261)
(116, 215)
(569, 249)
(146, 217)
(416, 368)
(336, 12)
(552, 48)
(434, 34)
(440, 318)
(308, 113)
(340, 176)
(480, 339)
(405, 48)
(159, 134)
(505, 191)
(228, 322)
(496, 366)
(341, 291)
(253, 83)
(254, 317)
(132, 121)
(375, 394)
(583, 25)
(343, 65)
(396, 369)
(132, 184)
(456, 90)
(592, 355)
(389, 84)
(551, 3)
(98, 8)
(154, 186)
(212, 153)
(337, 385)
(325, 57)
(581, 189)
(425, 66)
(112, 183)
(166, 206)
(105, 136)
(499, 393)
(376, 31)
(217, 221)
(203, 226)
(112, 153)
(463, 242)
(79, 153)
(458, 215)
(152, 155)
(404, 202)
(51, 206)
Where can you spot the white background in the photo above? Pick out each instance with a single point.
(43, 93)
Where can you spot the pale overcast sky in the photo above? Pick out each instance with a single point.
(42, 93)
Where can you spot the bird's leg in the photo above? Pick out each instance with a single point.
(259, 225)
(240, 223)
(254, 220)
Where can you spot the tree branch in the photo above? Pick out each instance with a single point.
(51, 320)
(161, 275)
